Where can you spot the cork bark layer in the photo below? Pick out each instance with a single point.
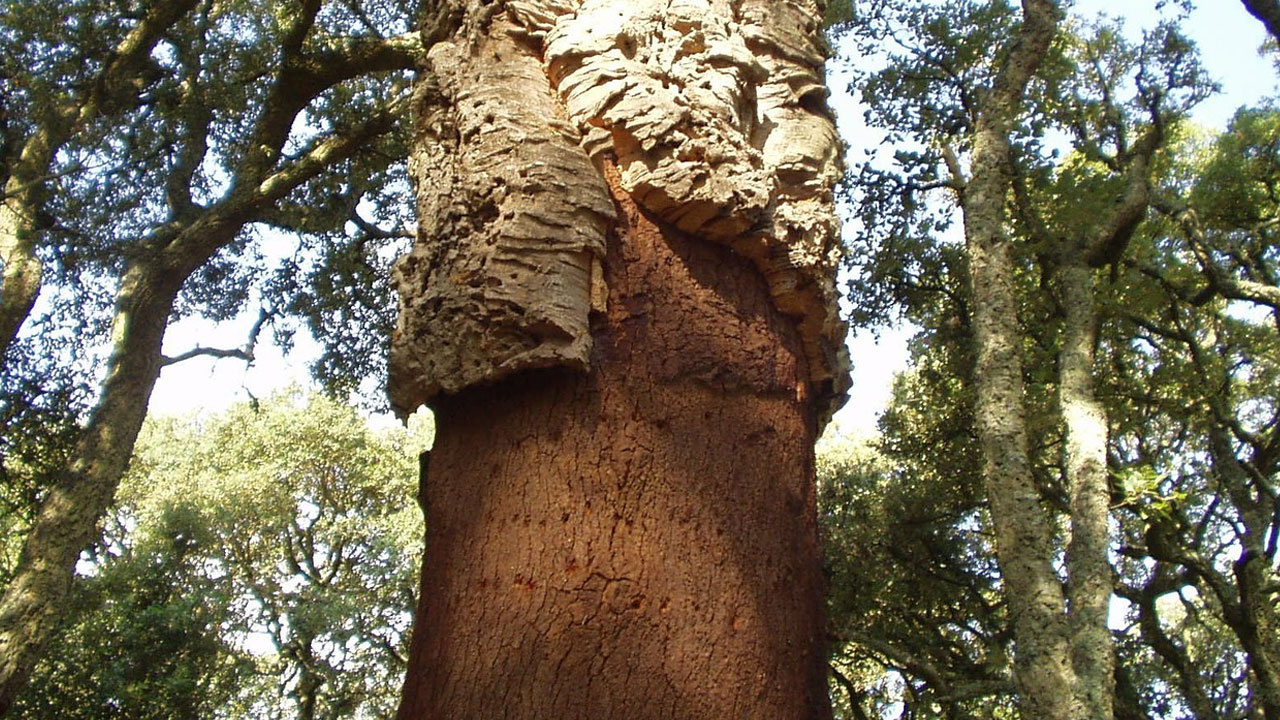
(715, 114)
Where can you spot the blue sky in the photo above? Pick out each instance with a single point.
(1229, 39)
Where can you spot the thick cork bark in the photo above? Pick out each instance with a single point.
(638, 541)
(714, 114)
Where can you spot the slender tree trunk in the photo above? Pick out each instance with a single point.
(621, 307)
(1085, 459)
(1024, 537)
(68, 518)
(1259, 629)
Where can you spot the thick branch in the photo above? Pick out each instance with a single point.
(1267, 11)
(22, 269)
(855, 697)
(1174, 656)
(118, 81)
(23, 272)
(302, 78)
(906, 661)
(1108, 243)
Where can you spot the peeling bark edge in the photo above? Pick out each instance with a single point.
(512, 223)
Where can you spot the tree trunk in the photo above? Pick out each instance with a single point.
(1085, 459)
(67, 522)
(1024, 538)
(621, 307)
(1254, 620)
(640, 539)
(1025, 545)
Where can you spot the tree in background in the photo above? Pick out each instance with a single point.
(146, 150)
(1188, 476)
(918, 622)
(261, 563)
(1191, 364)
(1187, 379)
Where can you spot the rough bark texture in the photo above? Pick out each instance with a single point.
(67, 521)
(1025, 546)
(621, 307)
(1085, 459)
(1024, 538)
(517, 215)
(716, 116)
(640, 539)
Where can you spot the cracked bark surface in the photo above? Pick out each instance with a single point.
(622, 309)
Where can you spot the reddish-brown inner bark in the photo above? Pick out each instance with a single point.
(640, 539)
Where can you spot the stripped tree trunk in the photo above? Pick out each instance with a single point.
(621, 307)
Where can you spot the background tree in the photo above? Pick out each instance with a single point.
(919, 626)
(145, 151)
(1198, 418)
(258, 564)
(1036, 228)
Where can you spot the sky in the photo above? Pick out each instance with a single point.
(1228, 37)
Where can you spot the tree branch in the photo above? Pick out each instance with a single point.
(198, 351)
(1219, 281)
(1112, 237)
(1268, 12)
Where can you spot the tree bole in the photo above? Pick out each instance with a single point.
(641, 538)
